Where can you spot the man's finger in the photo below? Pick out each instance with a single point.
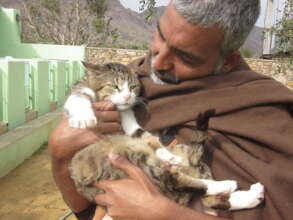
(108, 116)
(103, 184)
(103, 200)
(104, 106)
(108, 127)
(131, 170)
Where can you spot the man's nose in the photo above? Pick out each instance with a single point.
(162, 60)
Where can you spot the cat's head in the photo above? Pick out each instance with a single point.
(115, 82)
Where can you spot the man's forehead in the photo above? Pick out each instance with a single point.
(187, 51)
(181, 34)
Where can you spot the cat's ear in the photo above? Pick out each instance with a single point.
(91, 67)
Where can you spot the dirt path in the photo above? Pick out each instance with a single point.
(29, 193)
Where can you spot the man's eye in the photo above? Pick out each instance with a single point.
(186, 60)
(189, 61)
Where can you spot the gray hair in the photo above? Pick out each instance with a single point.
(235, 17)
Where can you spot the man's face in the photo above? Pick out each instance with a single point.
(181, 50)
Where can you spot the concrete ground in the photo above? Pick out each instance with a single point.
(29, 192)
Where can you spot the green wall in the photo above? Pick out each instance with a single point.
(10, 28)
(11, 45)
(37, 94)
(13, 93)
(27, 81)
(21, 143)
(43, 51)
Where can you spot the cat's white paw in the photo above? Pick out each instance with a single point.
(85, 118)
(247, 199)
(81, 114)
(107, 217)
(220, 187)
(258, 188)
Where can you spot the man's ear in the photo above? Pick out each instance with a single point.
(231, 61)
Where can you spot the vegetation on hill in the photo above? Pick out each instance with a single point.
(101, 23)
(149, 7)
(74, 22)
(284, 30)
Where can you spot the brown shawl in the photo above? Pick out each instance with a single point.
(251, 133)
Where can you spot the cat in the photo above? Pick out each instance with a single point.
(177, 171)
(114, 82)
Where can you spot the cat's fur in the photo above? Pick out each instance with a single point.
(92, 164)
(178, 171)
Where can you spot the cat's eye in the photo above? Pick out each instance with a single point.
(131, 87)
(115, 87)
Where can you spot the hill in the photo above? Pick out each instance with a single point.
(10, 3)
(134, 31)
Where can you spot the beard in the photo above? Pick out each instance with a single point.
(162, 77)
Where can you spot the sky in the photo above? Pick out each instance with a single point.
(134, 5)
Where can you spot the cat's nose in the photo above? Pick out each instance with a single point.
(127, 97)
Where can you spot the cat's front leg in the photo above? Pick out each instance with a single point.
(129, 123)
(78, 107)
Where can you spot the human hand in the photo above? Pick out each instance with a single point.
(65, 141)
(133, 198)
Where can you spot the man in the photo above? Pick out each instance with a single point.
(194, 66)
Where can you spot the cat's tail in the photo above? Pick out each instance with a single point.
(203, 119)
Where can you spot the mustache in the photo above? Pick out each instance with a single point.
(167, 77)
(163, 75)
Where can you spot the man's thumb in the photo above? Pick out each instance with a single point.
(122, 163)
(118, 160)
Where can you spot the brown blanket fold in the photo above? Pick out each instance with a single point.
(250, 135)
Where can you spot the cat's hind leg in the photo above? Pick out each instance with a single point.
(216, 193)
(152, 140)
(247, 199)
(211, 187)
(186, 181)
(219, 187)
(236, 200)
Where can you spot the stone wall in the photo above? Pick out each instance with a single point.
(281, 71)
(104, 55)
